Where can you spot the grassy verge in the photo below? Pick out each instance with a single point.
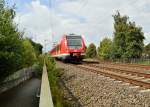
(144, 62)
(54, 76)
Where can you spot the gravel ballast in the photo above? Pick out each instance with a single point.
(95, 90)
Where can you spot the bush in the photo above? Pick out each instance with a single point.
(11, 56)
(105, 48)
(29, 54)
(54, 76)
(91, 51)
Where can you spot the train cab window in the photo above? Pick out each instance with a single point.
(74, 41)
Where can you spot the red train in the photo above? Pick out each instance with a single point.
(71, 47)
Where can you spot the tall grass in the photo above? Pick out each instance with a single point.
(54, 75)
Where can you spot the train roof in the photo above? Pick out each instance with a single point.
(72, 36)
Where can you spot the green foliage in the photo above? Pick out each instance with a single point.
(10, 43)
(51, 67)
(37, 47)
(128, 38)
(147, 50)
(144, 62)
(15, 52)
(54, 76)
(91, 51)
(105, 48)
(28, 53)
(40, 63)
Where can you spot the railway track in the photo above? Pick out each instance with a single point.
(126, 75)
(125, 67)
(135, 78)
(123, 70)
(95, 89)
(140, 66)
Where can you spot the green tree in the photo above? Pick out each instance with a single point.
(28, 53)
(37, 47)
(91, 51)
(147, 50)
(10, 43)
(128, 38)
(121, 28)
(104, 49)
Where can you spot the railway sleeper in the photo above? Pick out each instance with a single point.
(118, 77)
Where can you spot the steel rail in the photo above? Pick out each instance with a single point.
(146, 75)
(129, 65)
(117, 76)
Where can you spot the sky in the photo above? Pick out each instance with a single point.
(45, 21)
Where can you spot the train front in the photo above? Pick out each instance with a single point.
(75, 47)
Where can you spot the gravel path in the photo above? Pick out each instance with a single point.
(94, 90)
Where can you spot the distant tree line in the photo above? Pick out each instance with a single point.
(91, 51)
(127, 42)
(16, 52)
(146, 52)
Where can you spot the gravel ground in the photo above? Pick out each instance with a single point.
(94, 90)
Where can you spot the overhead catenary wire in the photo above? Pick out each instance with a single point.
(83, 5)
(51, 21)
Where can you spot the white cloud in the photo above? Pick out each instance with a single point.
(92, 18)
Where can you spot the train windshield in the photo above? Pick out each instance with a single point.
(74, 41)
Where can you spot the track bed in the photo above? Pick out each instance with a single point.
(94, 89)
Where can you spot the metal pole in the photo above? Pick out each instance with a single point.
(51, 22)
(45, 45)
